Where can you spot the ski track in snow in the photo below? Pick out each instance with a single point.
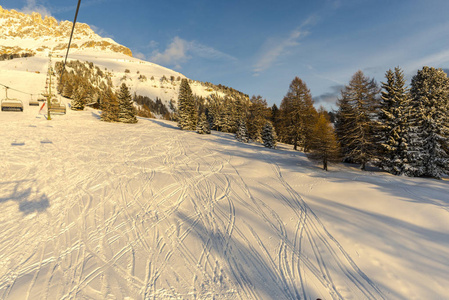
(104, 211)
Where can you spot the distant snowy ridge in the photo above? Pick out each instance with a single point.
(21, 32)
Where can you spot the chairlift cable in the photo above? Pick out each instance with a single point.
(16, 90)
(70, 41)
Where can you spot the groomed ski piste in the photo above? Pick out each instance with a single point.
(95, 210)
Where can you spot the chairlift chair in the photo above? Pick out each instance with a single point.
(11, 104)
(33, 102)
(57, 106)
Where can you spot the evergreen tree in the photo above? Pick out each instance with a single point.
(187, 113)
(257, 118)
(242, 132)
(428, 151)
(127, 112)
(203, 126)
(298, 115)
(110, 107)
(324, 145)
(355, 119)
(392, 120)
(79, 98)
(269, 137)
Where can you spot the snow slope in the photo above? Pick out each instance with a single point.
(93, 210)
(29, 74)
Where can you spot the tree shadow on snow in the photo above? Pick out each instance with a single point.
(96, 115)
(246, 267)
(29, 201)
(165, 124)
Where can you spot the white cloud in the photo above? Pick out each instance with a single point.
(31, 6)
(275, 48)
(180, 51)
(271, 53)
(175, 54)
(139, 55)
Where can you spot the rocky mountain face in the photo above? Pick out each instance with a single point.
(47, 34)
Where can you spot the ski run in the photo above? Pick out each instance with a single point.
(94, 210)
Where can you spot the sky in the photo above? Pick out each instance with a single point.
(260, 46)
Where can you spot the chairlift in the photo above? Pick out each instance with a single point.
(33, 102)
(56, 106)
(11, 104)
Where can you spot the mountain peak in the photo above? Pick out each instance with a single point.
(48, 34)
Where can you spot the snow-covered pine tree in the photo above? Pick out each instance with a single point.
(187, 113)
(242, 132)
(324, 146)
(269, 137)
(392, 123)
(203, 126)
(428, 150)
(110, 106)
(78, 98)
(127, 112)
(355, 119)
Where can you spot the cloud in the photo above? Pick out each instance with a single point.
(275, 48)
(432, 60)
(180, 51)
(31, 6)
(139, 55)
(101, 32)
(330, 98)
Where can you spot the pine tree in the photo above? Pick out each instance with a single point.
(269, 137)
(78, 98)
(187, 113)
(110, 107)
(127, 112)
(242, 132)
(203, 126)
(355, 124)
(392, 123)
(428, 151)
(257, 118)
(324, 145)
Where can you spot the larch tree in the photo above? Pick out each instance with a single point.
(324, 146)
(428, 150)
(127, 111)
(298, 115)
(356, 115)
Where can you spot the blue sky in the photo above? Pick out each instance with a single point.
(259, 46)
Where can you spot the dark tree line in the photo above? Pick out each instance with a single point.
(11, 56)
(403, 131)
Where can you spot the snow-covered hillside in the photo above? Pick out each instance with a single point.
(28, 75)
(21, 33)
(94, 210)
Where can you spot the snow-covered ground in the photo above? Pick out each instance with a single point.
(28, 75)
(93, 210)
